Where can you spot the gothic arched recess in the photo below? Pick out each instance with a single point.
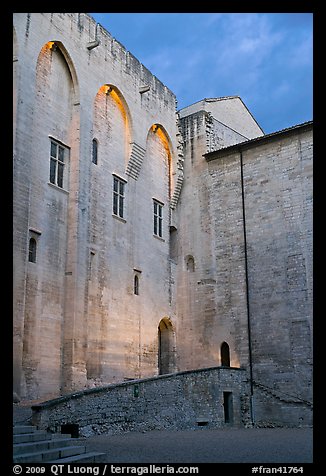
(166, 347)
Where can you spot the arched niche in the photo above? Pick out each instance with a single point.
(159, 138)
(112, 126)
(190, 263)
(166, 347)
(53, 55)
(57, 98)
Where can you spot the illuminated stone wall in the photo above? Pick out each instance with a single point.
(77, 321)
(106, 300)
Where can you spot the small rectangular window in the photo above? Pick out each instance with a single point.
(158, 218)
(32, 250)
(136, 284)
(118, 196)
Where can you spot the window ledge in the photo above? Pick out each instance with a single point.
(159, 238)
(119, 218)
(58, 188)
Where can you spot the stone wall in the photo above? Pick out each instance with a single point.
(277, 221)
(77, 320)
(246, 219)
(177, 401)
(211, 294)
(232, 269)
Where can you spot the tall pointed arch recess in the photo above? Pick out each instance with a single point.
(160, 131)
(103, 130)
(166, 347)
(58, 45)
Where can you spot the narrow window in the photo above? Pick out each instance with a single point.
(32, 250)
(158, 219)
(94, 151)
(225, 355)
(118, 197)
(58, 162)
(136, 285)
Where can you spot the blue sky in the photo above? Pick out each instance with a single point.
(265, 58)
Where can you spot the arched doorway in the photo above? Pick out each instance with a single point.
(166, 348)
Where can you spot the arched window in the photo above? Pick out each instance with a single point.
(94, 151)
(225, 355)
(32, 250)
(136, 285)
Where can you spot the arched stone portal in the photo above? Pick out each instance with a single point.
(166, 347)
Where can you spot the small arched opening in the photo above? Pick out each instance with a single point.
(225, 355)
(190, 263)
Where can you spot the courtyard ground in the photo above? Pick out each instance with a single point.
(251, 445)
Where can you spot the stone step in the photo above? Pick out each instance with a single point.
(36, 435)
(21, 429)
(37, 446)
(53, 453)
(90, 457)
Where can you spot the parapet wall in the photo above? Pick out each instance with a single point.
(213, 397)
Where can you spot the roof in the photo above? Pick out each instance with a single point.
(229, 111)
(257, 140)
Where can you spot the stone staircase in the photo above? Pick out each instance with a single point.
(36, 446)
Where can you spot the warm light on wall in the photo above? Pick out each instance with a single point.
(162, 135)
(111, 91)
(49, 46)
(157, 129)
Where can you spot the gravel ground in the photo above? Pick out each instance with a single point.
(252, 445)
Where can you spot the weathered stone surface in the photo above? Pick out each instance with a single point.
(232, 269)
(176, 401)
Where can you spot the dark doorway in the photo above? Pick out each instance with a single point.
(225, 355)
(228, 407)
(165, 347)
(70, 429)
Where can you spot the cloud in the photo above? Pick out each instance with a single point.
(265, 58)
(250, 40)
(302, 53)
